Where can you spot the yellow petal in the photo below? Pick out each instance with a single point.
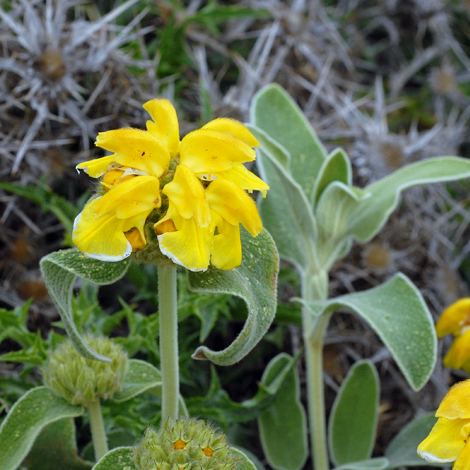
(135, 238)
(454, 318)
(463, 462)
(459, 352)
(207, 151)
(189, 246)
(234, 205)
(186, 194)
(131, 197)
(445, 441)
(234, 128)
(100, 237)
(95, 168)
(243, 178)
(226, 246)
(136, 149)
(99, 230)
(165, 125)
(456, 404)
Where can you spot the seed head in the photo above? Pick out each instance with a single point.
(184, 444)
(82, 381)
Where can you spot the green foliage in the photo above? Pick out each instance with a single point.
(56, 448)
(36, 409)
(243, 462)
(141, 376)
(354, 416)
(370, 215)
(410, 338)
(121, 458)
(60, 270)
(314, 214)
(205, 307)
(286, 213)
(401, 452)
(217, 405)
(312, 210)
(370, 464)
(34, 348)
(283, 425)
(255, 282)
(336, 167)
(275, 112)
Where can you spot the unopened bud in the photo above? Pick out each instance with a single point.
(82, 381)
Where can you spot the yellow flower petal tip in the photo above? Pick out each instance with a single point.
(454, 318)
(164, 124)
(456, 404)
(233, 128)
(431, 458)
(446, 441)
(106, 248)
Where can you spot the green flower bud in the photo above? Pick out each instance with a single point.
(82, 381)
(187, 444)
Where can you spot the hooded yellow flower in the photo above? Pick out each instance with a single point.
(447, 441)
(205, 194)
(456, 320)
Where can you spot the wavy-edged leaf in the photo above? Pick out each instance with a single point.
(379, 463)
(402, 451)
(56, 449)
(29, 415)
(276, 113)
(353, 419)
(286, 213)
(60, 270)
(336, 167)
(370, 216)
(398, 314)
(255, 281)
(120, 458)
(283, 426)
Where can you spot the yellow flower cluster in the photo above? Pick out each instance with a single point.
(204, 191)
(448, 439)
(456, 320)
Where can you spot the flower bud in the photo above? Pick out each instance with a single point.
(82, 381)
(185, 443)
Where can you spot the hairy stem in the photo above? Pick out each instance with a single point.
(167, 299)
(98, 435)
(315, 287)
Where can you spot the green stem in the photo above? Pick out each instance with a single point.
(315, 287)
(167, 298)
(98, 435)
